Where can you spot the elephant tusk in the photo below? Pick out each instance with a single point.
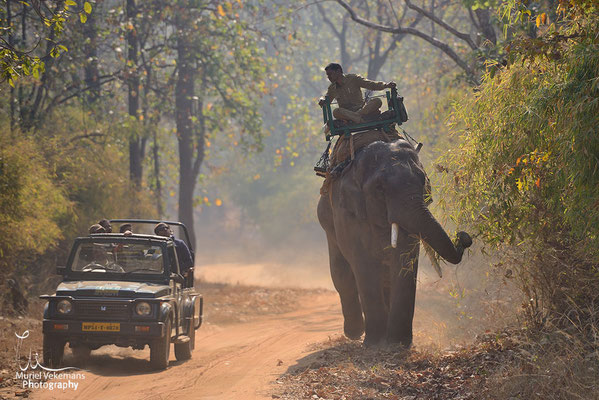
(394, 232)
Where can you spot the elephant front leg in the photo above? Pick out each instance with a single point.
(345, 283)
(368, 275)
(403, 292)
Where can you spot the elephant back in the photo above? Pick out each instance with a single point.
(342, 152)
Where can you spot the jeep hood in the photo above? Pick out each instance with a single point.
(112, 289)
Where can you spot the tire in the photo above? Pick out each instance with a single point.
(81, 353)
(183, 350)
(53, 351)
(160, 349)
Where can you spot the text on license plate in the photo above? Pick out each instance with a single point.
(101, 326)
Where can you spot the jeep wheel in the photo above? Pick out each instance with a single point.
(183, 350)
(160, 349)
(53, 351)
(81, 353)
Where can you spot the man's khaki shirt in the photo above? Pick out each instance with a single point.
(349, 94)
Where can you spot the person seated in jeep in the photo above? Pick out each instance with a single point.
(183, 253)
(96, 228)
(126, 227)
(346, 88)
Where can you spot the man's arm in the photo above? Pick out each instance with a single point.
(373, 85)
(330, 94)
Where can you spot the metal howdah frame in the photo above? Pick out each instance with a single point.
(394, 103)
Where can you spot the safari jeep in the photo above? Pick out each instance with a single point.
(124, 290)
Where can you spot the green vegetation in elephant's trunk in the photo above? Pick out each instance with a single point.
(374, 219)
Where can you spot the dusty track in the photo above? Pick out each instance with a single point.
(238, 361)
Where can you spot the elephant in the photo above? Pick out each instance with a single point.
(374, 214)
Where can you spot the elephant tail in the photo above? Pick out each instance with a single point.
(433, 256)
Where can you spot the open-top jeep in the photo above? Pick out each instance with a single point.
(124, 290)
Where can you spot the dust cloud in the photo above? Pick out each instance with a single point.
(450, 311)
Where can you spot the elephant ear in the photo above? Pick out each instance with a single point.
(351, 197)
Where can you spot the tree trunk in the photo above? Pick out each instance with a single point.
(186, 135)
(11, 42)
(158, 183)
(91, 73)
(23, 117)
(486, 26)
(136, 143)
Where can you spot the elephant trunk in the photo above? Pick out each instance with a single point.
(420, 221)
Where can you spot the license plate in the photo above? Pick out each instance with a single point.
(100, 326)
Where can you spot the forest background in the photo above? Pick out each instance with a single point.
(206, 112)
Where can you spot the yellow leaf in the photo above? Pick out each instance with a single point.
(218, 202)
(538, 20)
(206, 200)
(221, 11)
(172, 193)
(256, 177)
(208, 144)
(538, 182)
(87, 7)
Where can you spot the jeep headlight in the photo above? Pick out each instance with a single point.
(143, 308)
(64, 306)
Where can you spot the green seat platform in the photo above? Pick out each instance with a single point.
(396, 114)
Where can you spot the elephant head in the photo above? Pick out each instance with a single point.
(375, 215)
(386, 188)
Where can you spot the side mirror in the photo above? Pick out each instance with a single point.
(61, 270)
(178, 278)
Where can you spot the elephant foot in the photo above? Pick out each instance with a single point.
(371, 342)
(404, 342)
(353, 330)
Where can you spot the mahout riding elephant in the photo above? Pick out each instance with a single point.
(374, 215)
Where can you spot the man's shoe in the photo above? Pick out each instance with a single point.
(389, 114)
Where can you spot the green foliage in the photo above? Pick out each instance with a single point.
(31, 205)
(526, 173)
(46, 25)
(90, 162)
(54, 186)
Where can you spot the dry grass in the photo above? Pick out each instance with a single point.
(507, 365)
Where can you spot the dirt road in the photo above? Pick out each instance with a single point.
(240, 361)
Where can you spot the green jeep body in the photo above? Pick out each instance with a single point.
(126, 291)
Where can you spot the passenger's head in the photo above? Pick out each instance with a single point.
(96, 228)
(334, 72)
(106, 225)
(125, 227)
(162, 229)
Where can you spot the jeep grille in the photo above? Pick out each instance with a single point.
(101, 310)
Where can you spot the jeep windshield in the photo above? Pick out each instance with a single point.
(129, 257)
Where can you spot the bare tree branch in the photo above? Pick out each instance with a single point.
(411, 31)
(464, 36)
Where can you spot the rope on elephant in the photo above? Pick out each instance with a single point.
(344, 149)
